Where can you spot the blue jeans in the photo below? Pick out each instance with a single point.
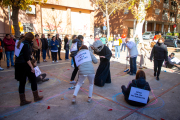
(133, 67)
(72, 62)
(175, 45)
(117, 51)
(123, 45)
(67, 54)
(44, 54)
(10, 54)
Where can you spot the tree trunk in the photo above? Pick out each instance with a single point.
(138, 30)
(15, 13)
(108, 29)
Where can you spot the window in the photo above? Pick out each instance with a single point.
(28, 27)
(157, 11)
(126, 11)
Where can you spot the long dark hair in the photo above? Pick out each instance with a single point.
(32, 62)
(28, 36)
(74, 37)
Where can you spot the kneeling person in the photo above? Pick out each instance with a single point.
(139, 82)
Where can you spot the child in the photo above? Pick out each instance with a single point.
(1, 50)
(86, 69)
(41, 77)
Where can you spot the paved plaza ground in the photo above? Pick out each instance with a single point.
(164, 98)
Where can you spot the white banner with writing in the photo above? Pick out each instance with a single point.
(74, 47)
(83, 56)
(139, 95)
(116, 42)
(18, 50)
(37, 71)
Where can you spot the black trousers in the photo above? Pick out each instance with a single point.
(38, 79)
(59, 52)
(32, 78)
(75, 70)
(37, 55)
(54, 56)
(157, 66)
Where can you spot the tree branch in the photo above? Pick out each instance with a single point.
(99, 7)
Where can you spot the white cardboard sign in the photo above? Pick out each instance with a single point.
(116, 42)
(18, 50)
(82, 57)
(74, 47)
(37, 71)
(139, 95)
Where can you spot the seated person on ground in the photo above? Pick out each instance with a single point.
(41, 77)
(172, 61)
(139, 82)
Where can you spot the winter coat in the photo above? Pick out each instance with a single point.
(49, 42)
(9, 44)
(139, 83)
(59, 42)
(79, 44)
(54, 45)
(65, 43)
(44, 43)
(159, 52)
(35, 45)
(87, 67)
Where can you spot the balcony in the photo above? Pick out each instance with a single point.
(165, 5)
(172, 19)
(165, 17)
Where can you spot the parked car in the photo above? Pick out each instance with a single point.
(169, 41)
(148, 35)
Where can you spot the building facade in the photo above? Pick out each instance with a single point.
(161, 16)
(55, 16)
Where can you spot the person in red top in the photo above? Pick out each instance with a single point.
(9, 45)
(1, 50)
(96, 38)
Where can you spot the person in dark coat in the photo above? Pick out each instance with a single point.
(159, 53)
(59, 46)
(103, 74)
(66, 47)
(1, 52)
(139, 82)
(24, 69)
(76, 44)
(44, 47)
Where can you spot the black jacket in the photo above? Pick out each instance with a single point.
(44, 43)
(65, 42)
(79, 44)
(159, 52)
(59, 42)
(139, 83)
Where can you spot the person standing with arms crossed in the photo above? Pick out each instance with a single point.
(159, 53)
(37, 46)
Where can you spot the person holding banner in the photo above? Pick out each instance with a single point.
(103, 74)
(84, 59)
(139, 82)
(24, 68)
(76, 44)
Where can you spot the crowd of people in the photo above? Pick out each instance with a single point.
(82, 50)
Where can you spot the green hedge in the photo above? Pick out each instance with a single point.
(173, 34)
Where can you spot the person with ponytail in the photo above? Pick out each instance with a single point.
(24, 69)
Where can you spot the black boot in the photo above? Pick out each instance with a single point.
(154, 74)
(23, 100)
(157, 78)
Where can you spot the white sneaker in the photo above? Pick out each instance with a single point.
(53, 61)
(73, 101)
(72, 66)
(72, 82)
(1, 68)
(57, 61)
(89, 100)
